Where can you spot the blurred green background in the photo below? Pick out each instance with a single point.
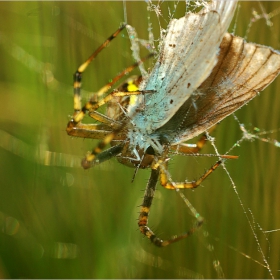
(59, 221)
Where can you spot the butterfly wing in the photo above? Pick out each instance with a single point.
(242, 71)
(187, 56)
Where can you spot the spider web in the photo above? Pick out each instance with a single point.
(263, 244)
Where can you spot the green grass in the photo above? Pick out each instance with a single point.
(63, 222)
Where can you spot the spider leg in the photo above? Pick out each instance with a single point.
(105, 119)
(82, 68)
(75, 127)
(93, 131)
(103, 156)
(159, 171)
(145, 209)
(184, 185)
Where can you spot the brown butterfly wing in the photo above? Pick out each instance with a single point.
(242, 71)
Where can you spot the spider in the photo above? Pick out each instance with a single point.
(141, 139)
(112, 130)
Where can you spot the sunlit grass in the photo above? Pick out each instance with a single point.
(60, 221)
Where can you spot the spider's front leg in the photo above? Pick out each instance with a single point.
(75, 127)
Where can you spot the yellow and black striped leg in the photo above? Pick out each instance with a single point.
(145, 209)
(103, 156)
(79, 112)
(87, 162)
(184, 185)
